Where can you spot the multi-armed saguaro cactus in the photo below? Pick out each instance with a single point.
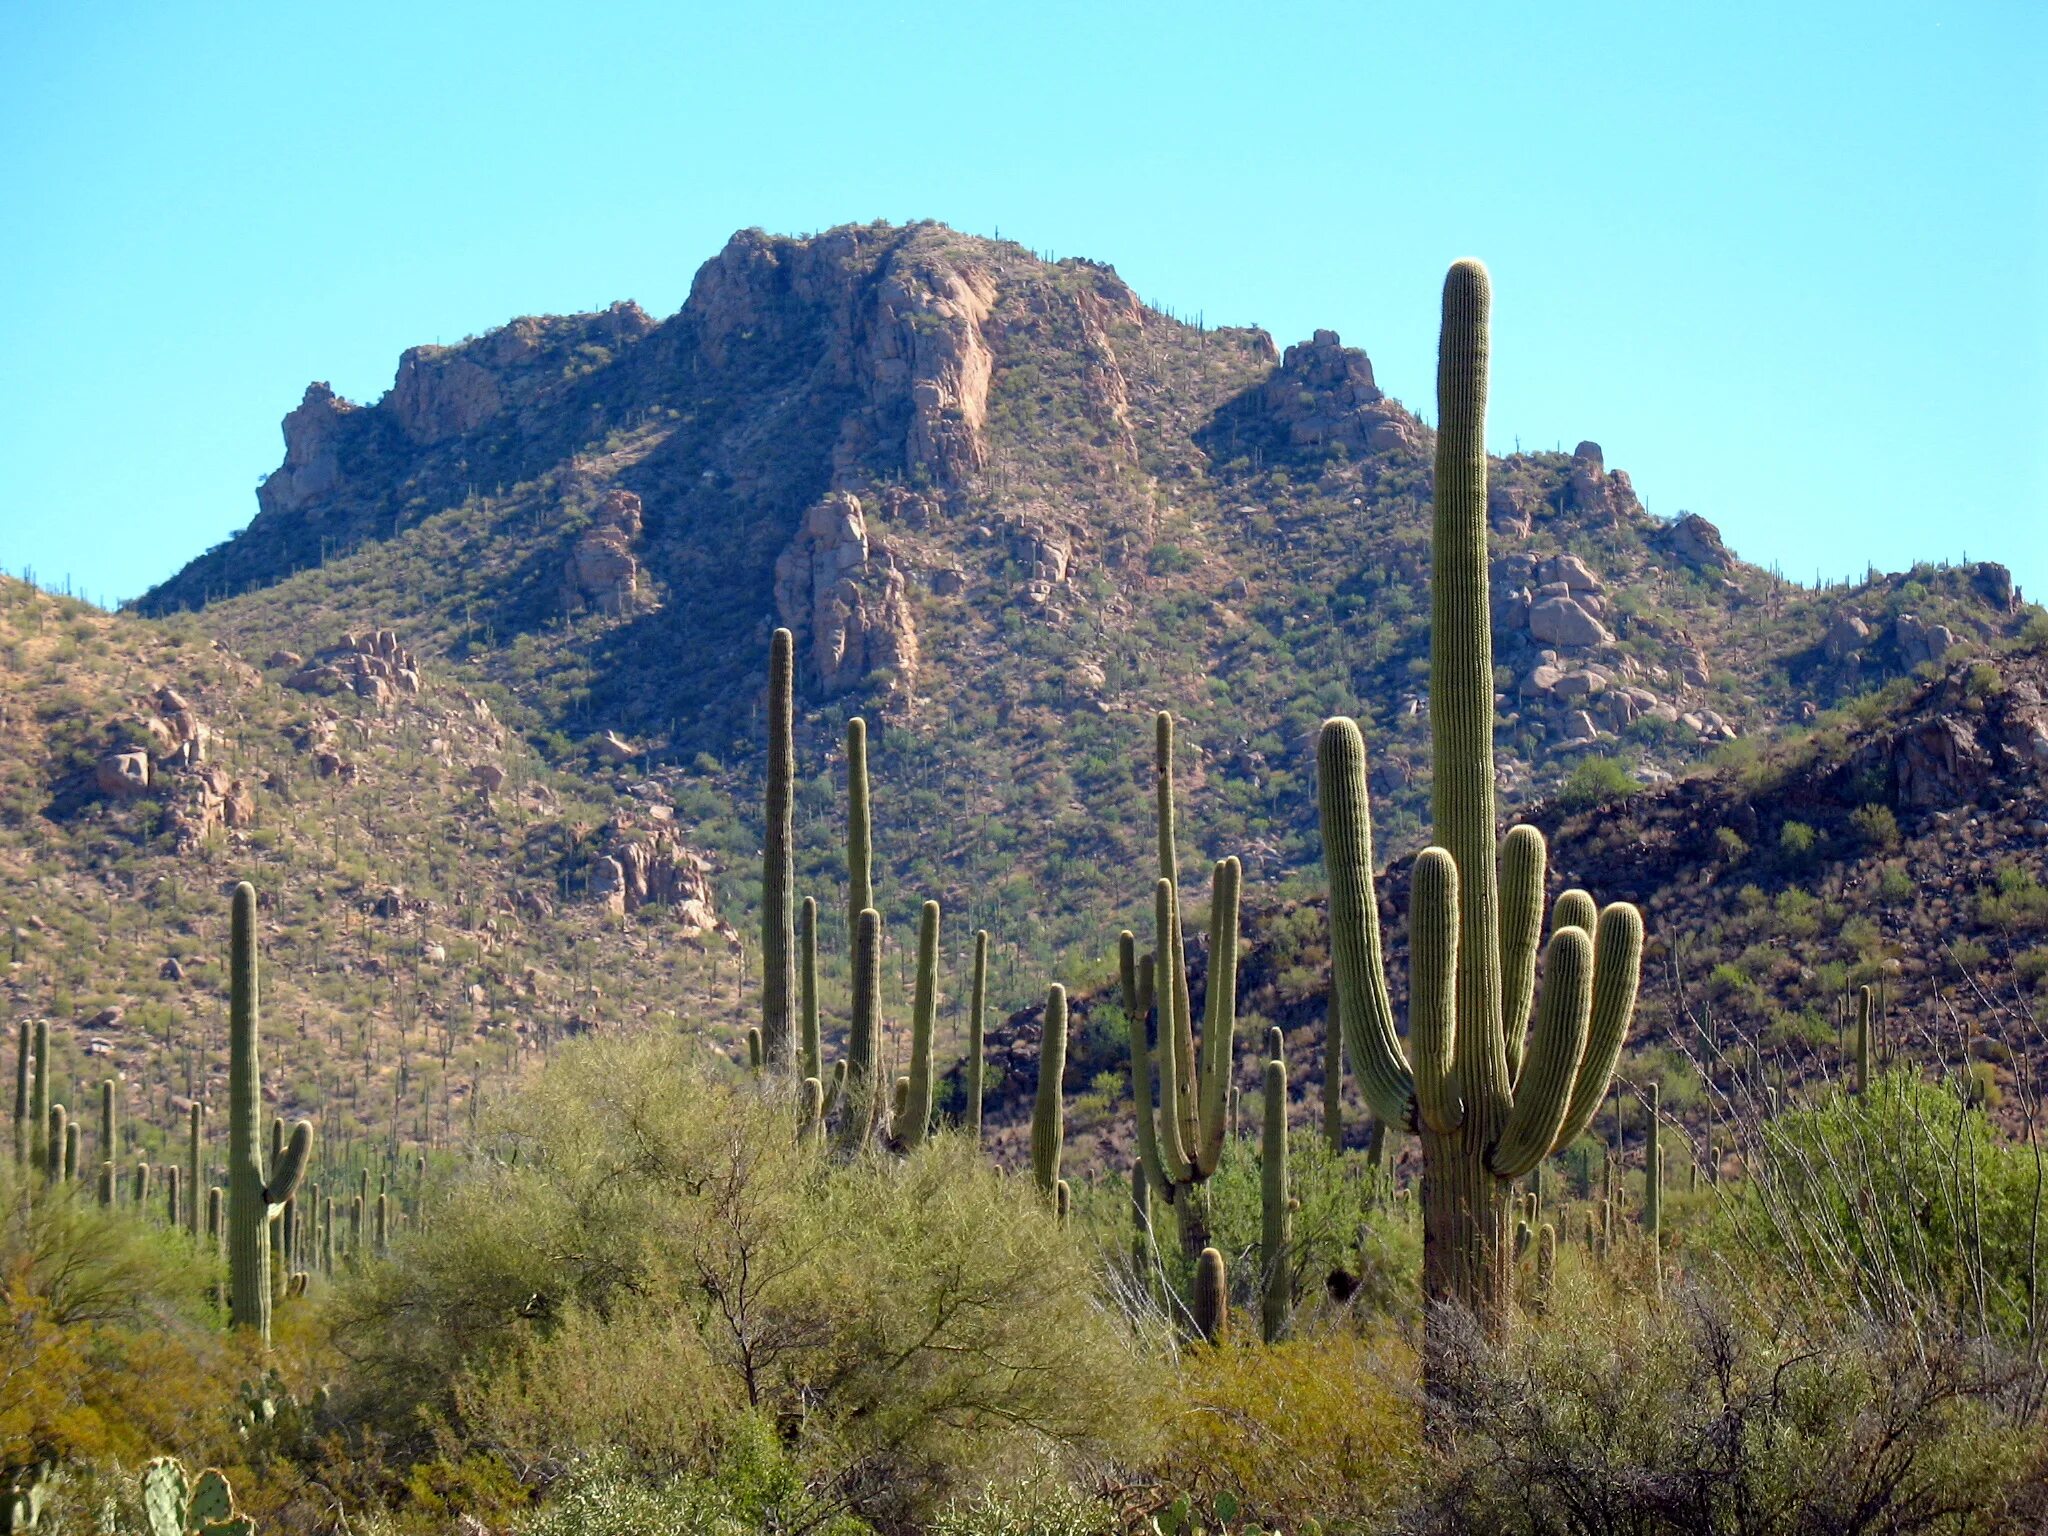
(1274, 1257)
(977, 1046)
(778, 867)
(1183, 1143)
(1049, 1113)
(1488, 1109)
(254, 1201)
(916, 1120)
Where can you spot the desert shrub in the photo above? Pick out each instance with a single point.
(663, 1265)
(1796, 839)
(1595, 781)
(1876, 825)
(1326, 1427)
(1694, 1417)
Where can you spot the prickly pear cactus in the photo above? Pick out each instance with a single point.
(176, 1507)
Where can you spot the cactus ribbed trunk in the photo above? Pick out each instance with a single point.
(1333, 1077)
(195, 1172)
(109, 1127)
(861, 1097)
(860, 844)
(1048, 1115)
(977, 1008)
(778, 864)
(924, 1014)
(1274, 1258)
(807, 985)
(39, 1116)
(253, 1201)
(23, 1092)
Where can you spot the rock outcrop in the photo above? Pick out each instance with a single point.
(1919, 643)
(1323, 395)
(445, 392)
(843, 599)
(1594, 492)
(640, 866)
(603, 572)
(1698, 543)
(374, 667)
(312, 452)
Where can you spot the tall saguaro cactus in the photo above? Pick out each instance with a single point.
(813, 1045)
(195, 1164)
(1274, 1258)
(860, 829)
(778, 863)
(109, 1097)
(23, 1093)
(1182, 1145)
(924, 1014)
(39, 1114)
(1049, 1113)
(977, 1045)
(861, 1097)
(254, 1201)
(1488, 1104)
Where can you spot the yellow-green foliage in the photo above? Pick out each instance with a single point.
(665, 1261)
(1326, 1428)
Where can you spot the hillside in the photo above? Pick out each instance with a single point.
(1009, 510)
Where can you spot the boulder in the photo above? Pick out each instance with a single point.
(1579, 726)
(1698, 543)
(123, 775)
(1574, 573)
(1920, 643)
(1561, 621)
(1845, 637)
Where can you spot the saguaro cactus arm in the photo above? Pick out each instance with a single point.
(1173, 1154)
(1345, 804)
(1617, 973)
(1219, 1019)
(1543, 1092)
(1048, 1116)
(1433, 983)
(1523, 861)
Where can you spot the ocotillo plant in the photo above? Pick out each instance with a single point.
(977, 1045)
(1273, 1206)
(916, 1120)
(1049, 1114)
(807, 986)
(1487, 1110)
(1183, 1143)
(778, 866)
(254, 1201)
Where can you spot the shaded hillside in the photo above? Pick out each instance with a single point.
(1902, 840)
(1010, 510)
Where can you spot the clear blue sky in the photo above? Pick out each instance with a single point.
(1789, 264)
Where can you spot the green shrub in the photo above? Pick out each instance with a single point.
(1876, 825)
(1796, 839)
(1595, 781)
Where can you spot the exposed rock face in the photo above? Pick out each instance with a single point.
(642, 865)
(844, 601)
(444, 392)
(1938, 763)
(373, 667)
(1563, 620)
(312, 453)
(1846, 636)
(1323, 394)
(1593, 492)
(603, 572)
(123, 775)
(1995, 582)
(1920, 643)
(1698, 543)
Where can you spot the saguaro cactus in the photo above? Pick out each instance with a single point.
(1182, 1144)
(778, 863)
(860, 841)
(1333, 1076)
(40, 1111)
(916, 1121)
(1861, 1082)
(56, 1125)
(195, 1170)
(807, 987)
(861, 1096)
(1487, 1109)
(1274, 1256)
(108, 1128)
(1211, 1301)
(1049, 1113)
(254, 1201)
(24, 1062)
(977, 1045)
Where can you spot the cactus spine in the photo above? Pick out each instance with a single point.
(1048, 1115)
(253, 1201)
(1211, 1301)
(977, 1009)
(778, 865)
(1273, 1202)
(916, 1121)
(807, 976)
(1487, 1104)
